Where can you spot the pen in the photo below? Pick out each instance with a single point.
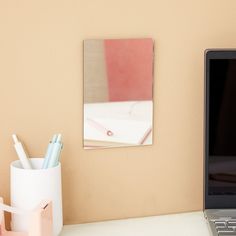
(99, 127)
(145, 136)
(54, 157)
(49, 151)
(25, 162)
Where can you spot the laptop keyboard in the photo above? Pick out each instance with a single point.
(225, 227)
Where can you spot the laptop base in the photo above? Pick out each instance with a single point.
(221, 222)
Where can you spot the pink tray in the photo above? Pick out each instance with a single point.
(40, 221)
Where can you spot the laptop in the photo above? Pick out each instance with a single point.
(220, 141)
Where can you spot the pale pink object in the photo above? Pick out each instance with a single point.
(40, 225)
(145, 136)
(99, 127)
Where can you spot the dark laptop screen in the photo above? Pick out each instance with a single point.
(222, 127)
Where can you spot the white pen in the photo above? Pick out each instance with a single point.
(25, 162)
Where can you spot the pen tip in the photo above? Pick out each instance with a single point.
(14, 138)
(54, 138)
(59, 138)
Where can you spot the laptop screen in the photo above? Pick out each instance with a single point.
(222, 127)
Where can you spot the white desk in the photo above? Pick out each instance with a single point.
(185, 224)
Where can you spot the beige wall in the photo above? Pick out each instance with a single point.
(41, 73)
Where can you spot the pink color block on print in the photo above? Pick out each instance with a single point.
(129, 65)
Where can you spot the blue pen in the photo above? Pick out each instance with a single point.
(49, 151)
(59, 151)
(59, 154)
(54, 157)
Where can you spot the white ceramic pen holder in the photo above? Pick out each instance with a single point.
(30, 186)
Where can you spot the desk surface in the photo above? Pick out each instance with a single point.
(184, 224)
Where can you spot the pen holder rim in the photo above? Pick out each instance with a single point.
(17, 165)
